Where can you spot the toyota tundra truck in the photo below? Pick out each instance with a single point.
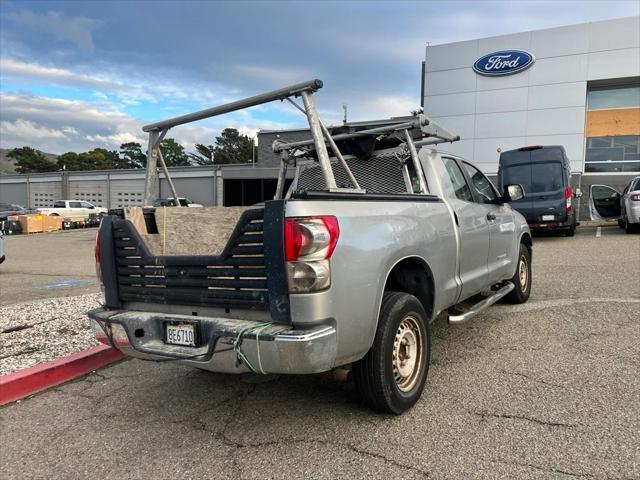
(378, 235)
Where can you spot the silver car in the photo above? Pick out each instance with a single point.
(606, 203)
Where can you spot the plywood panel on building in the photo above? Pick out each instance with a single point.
(607, 123)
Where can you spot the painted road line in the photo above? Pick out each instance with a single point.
(598, 232)
(17, 385)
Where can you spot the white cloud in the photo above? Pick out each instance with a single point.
(57, 125)
(59, 76)
(76, 30)
(26, 129)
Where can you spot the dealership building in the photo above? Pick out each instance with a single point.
(576, 86)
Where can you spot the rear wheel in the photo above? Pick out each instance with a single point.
(621, 223)
(522, 278)
(630, 227)
(392, 375)
(570, 232)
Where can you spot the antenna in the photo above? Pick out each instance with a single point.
(344, 119)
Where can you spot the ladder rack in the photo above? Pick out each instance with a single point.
(416, 130)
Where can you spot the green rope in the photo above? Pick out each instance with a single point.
(258, 327)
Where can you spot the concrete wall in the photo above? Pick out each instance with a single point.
(544, 104)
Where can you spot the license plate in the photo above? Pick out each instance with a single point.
(548, 218)
(181, 334)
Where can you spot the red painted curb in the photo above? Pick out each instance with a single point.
(17, 385)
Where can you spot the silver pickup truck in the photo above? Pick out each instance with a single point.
(349, 267)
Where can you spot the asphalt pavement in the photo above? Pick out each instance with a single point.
(48, 265)
(548, 389)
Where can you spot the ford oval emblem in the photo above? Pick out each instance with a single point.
(504, 62)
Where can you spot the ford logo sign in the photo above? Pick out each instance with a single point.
(504, 62)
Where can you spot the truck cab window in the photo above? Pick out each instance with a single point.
(459, 183)
(481, 185)
(59, 204)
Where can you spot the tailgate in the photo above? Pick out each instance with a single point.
(247, 274)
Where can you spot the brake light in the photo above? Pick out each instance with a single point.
(635, 197)
(310, 238)
(567, 198)
(309, 243)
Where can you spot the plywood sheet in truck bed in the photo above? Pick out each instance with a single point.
(192, 231)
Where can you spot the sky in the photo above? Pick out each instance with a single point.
(77, 75)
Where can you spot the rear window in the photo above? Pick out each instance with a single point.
(546, 177)
(59, 204)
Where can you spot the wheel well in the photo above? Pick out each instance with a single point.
(413, 275)
(526, 239)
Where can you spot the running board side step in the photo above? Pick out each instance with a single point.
(482, 305)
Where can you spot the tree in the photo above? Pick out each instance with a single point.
(29, 160)
(132, 155)
(173, 153)
(96, 159)
(230, 147)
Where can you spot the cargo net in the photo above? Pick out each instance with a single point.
(380, 173)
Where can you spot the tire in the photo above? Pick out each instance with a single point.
(522, 278)
(630, 227)
(621, 223)
(570, 232)
(2, 258)
(379, 379)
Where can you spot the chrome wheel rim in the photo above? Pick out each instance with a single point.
(408, 351)
(523, 272)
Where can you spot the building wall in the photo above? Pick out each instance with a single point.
(544, 104)
(119, 188)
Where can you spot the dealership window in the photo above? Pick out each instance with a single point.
(613, 129)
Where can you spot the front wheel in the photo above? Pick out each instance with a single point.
(522, 278)
(392, 375)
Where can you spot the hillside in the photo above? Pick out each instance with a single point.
(7, 166)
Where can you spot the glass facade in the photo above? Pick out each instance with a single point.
(615, 145)
(624, 96)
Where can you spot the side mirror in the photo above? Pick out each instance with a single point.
(91, 207)
(513, 192)
(578, 193)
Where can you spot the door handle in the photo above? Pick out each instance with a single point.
(491, 217)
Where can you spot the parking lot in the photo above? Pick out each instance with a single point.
(548, 389)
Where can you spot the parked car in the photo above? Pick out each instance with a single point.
(545, 173)
(2, 255)
(606, 203)
(170, 202)
(72, 208)
(10, 210)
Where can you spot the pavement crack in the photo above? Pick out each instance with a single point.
(509, 416)
(543, 469)
(386, 459)
(535, 380)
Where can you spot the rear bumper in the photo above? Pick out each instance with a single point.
(275, 349)
(633, 214)
(552, 225)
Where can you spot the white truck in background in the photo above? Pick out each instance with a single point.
(72, 208)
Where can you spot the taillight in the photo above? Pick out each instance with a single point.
(635, 197)
(309, 243)
(567, 199)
